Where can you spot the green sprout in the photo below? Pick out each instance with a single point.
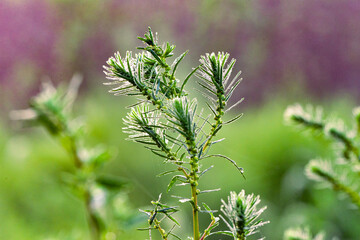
(167, 122)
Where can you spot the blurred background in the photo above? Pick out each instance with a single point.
(289, 51)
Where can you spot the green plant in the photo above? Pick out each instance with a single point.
(51, 109)
(166, 121)
(243, 215)
(343, 172)
(302, 234)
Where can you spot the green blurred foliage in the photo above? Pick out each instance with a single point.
(36, 205)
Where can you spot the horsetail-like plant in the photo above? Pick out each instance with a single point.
(51, 109)
(343, 172)
(167, 122)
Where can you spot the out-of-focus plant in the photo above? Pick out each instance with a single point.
(51, 109)
(343, 172)
(166, 121)
(302, 234)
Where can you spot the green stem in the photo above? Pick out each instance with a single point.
(73, 151)
(308, 123)
(354, 196)
(241, 236)
(92, 218)
(219, 113)
(207, 230)
(194, 177)
(357, 119)
(195, 214)
(212, 133)
(348, 143)
(338, 186)
(161, 230)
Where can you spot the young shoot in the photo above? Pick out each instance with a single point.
(165, 119)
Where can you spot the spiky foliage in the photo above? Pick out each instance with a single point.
(242, 215)
(214, 77)
(309, 118)
(157, 215)
(147, 74)
(343, 172)
(142, 128)
(302, 234)
(51, 109)
(165, 119)
(181, 115)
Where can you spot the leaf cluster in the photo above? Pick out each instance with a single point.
(242, 214)
(343, 172)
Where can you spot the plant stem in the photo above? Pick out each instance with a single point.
(212, 132)
(338, 186)
(195, 213)
(358, 125)
(73, 151)
(92, 218)
(241, 237)
(348, 143)
(207, 230)
(217, 118)
(161, 231)
(194, 193)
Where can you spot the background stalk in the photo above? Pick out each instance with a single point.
(93, 221)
